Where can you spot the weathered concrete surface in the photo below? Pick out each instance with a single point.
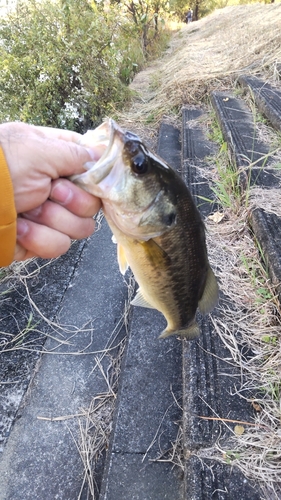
(141, 481)
(211, 480)
(196, 149)
(250, 155)
(47, 282)
(267, 98)
(267, 230)
(41, 459)
(147, 415)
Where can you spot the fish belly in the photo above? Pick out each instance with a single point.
(161, 285)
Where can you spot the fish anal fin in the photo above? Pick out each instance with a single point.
(210, 295)
(190, 332)
(140, 301)
(122, 260)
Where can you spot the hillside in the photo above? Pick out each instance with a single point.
(205, 55)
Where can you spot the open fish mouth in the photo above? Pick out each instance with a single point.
(103, 138)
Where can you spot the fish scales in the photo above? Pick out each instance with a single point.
(158, 229)
(188, 269)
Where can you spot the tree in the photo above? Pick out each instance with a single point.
(145, 14)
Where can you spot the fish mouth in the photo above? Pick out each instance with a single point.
(104, 137)
(103, 166)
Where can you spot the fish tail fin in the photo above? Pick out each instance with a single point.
(210, 295)
(190, 332)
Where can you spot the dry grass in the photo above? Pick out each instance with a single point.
(96, 426)
(253, 323)
(204, 55)
(269, 201)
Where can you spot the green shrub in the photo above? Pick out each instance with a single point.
(60, 64)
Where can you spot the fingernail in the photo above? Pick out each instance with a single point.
(61, 193)
(89, 165)
(22, 227)
(95, 155)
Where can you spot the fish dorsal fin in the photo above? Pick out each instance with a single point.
(210, 295)
(140, 301)
(121, 257)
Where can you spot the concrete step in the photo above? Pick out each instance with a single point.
(207, 375)
(196, 149)
(250, 155)
(266, 226)
(267, 98)
(267, 230)
(19, 355)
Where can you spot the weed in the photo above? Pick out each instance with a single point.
(270, 339)
(3, 273)
(215, 133)
(155, 80)
(150, 118)
(230, 456)
(226, 186)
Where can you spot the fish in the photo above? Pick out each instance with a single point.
(159, 231)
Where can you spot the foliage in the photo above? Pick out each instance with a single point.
(147, 17)
(129, 48)
(60, 64)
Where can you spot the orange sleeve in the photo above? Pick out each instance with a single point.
(8, 214)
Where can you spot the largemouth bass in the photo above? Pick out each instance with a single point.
(157, 227)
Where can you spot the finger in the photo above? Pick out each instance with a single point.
(22, 254)
(66, 158)
(56, 217)
(40, 240)
(55, 156)
(72, 197)
(56, 133)
(74, 140)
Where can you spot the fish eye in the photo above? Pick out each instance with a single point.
(140, 163)
(169, 219)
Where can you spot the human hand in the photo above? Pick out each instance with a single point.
(52, 210)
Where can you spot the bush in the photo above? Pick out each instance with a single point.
(60, 64)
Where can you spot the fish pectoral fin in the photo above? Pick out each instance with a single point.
(190, 332)
(122, 260)
(140, 301)
(156, 255)
(210, 295)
